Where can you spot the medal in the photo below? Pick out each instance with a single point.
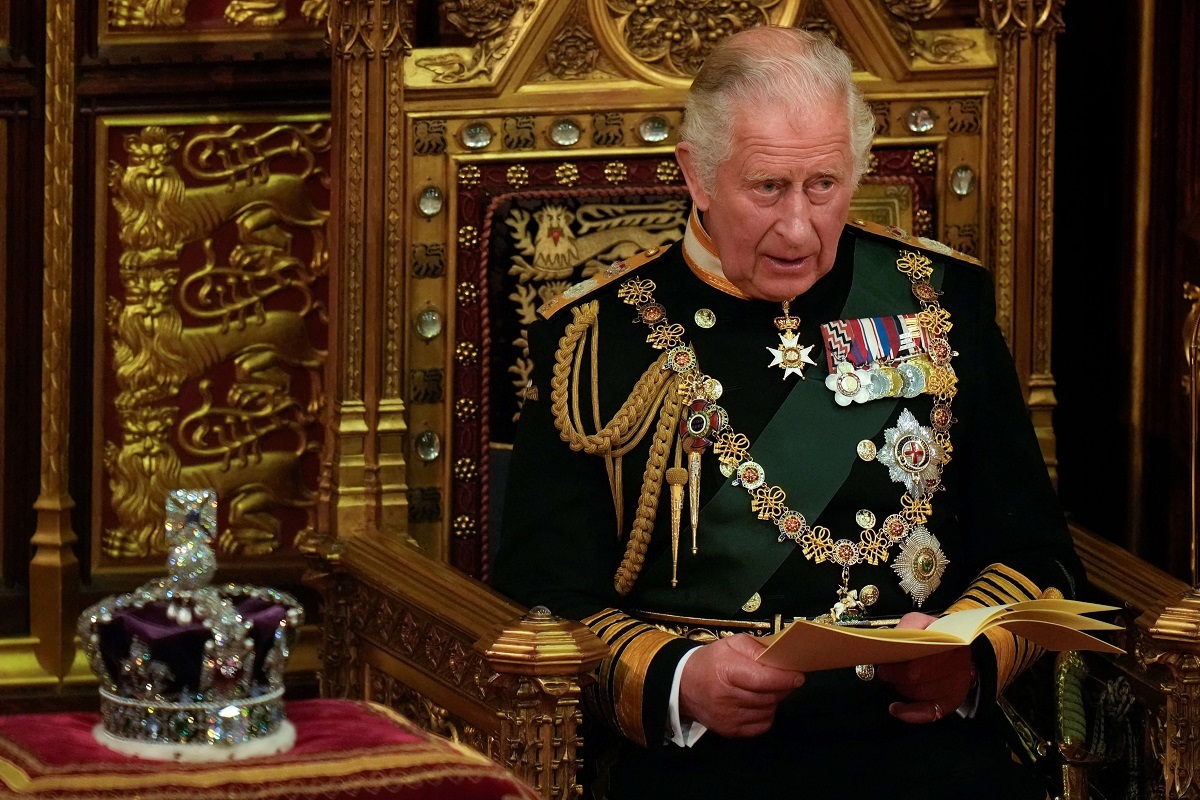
(790, 356)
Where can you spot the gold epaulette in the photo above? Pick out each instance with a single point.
(618, 269)
(900, 236)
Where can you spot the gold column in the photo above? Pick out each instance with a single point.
(363, 470)
(54, 570)
(1023, 261)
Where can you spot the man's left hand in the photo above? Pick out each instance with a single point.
(935, 685)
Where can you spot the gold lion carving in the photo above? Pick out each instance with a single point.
(157, 351)
(158, 214)
(173, 13)
(145, 467)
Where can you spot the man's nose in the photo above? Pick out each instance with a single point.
(794, 223)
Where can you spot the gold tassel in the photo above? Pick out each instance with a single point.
(694, 494)
(677, 477)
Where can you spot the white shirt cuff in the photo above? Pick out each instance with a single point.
(684, 734)
(971, 704)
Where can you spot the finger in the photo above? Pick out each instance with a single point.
(916, 620)
(924, 712)
(746, 673)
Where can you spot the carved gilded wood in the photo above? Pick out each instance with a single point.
(4, 288)
(161, 21)
(212, 264)
(54, 570)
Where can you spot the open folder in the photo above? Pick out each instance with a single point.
(1052, 624)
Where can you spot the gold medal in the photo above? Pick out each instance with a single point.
(791, 355)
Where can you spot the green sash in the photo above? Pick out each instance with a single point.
(808, 448)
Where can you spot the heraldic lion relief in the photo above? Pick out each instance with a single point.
(256, 318)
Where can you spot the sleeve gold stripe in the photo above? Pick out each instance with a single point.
(632, 646)
(998, 585)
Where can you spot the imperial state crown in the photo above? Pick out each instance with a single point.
(189, 670)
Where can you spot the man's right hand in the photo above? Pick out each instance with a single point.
(727, 691)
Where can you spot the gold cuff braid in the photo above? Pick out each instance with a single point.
(997, 585)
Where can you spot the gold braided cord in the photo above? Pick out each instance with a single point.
(654, 396)
(647, 509)
(629, 421)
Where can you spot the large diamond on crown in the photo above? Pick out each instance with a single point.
(189, 670)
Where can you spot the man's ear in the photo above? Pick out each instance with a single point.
(691, 174)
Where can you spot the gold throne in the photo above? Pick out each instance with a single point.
(475, 182)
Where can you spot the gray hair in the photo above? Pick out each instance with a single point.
(770, 66)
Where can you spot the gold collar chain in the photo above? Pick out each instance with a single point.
(921, 561)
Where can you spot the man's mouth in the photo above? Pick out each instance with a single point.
(787, 263)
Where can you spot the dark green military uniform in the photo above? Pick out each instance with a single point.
(997, 520)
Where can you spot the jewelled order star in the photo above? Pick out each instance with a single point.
(791, 355)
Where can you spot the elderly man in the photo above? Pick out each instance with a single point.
(785, 415)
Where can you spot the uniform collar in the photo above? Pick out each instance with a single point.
(701, 257)
(700, 254)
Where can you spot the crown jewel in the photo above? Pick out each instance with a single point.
(189, 665)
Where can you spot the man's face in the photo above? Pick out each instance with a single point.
(780, 201)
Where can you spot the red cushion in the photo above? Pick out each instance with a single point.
(344, 750)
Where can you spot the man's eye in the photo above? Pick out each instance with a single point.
(769, 187)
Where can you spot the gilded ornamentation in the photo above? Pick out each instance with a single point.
(466, 408)
(518, 133)
(465, 469)
(913, 10)
(146, 13)
(572, 54)
(963, 238)
(468, 175)
(466, 293)
(492, 24)
(259, 13)
(668, 172)
(468, 236)
(1005, 176)
(155, 353)
(544, 758)
(426, 385)
(429, 260)
(430, 137)
(675, 36)
(615, 172)
(924, 160)
(816, 19)
(965, 116)
(466, 353)
(872, 164)
(923, 222)
(517, 176)
(54, 570)
(424, 505)
(464, 526)
(883, 117)
(608, 129)
(567, 174)
(173, 13)
(936, 47)
(1019, 17)
(158, 214)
